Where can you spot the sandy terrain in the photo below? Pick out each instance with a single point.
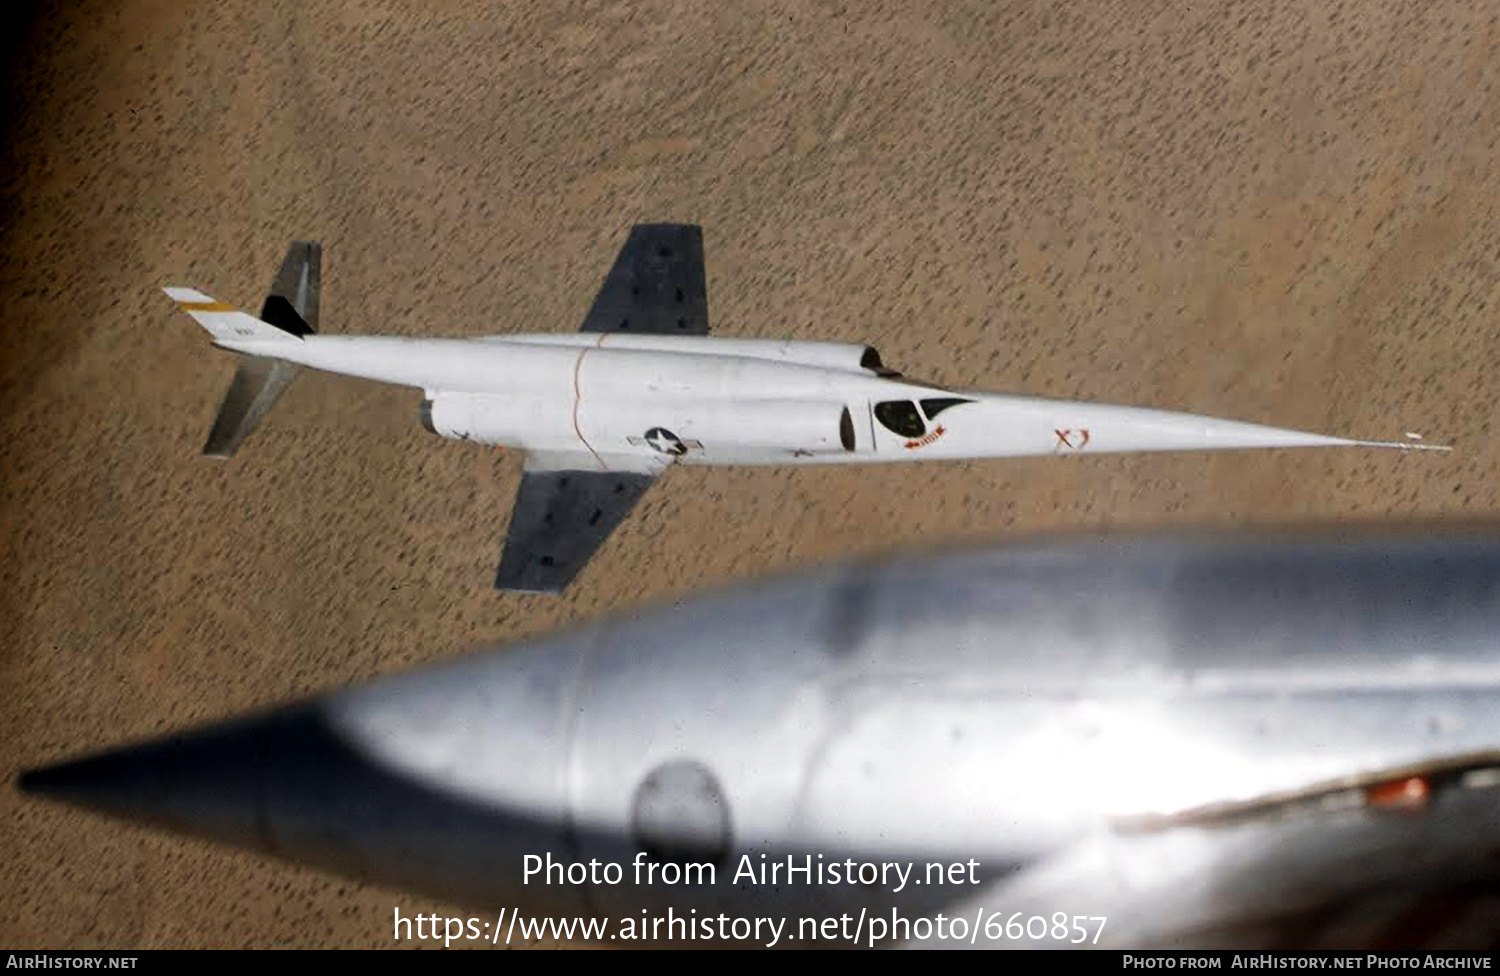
(1279, 212)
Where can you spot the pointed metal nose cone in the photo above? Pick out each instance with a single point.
(311, 784)
(208, 782)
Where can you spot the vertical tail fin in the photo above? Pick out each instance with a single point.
(290, 310)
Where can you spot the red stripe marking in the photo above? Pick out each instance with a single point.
(926, 439)
(578, 399)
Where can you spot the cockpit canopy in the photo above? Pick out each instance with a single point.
(902, 416)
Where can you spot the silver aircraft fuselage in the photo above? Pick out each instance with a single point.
(1170, 731)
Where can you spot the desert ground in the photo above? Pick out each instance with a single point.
(1280, 212)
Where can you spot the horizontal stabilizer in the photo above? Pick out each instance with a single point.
(290, 312)
(256, 386)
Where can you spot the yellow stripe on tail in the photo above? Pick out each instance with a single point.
(223, 321)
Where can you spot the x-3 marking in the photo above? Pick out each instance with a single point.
(1071, 440)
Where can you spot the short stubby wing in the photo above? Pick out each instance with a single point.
(657, 286)
(561, 519)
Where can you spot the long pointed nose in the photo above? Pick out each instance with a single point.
(209, 783)
(441, 782)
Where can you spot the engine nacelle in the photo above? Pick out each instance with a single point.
(720, 428)
(448, 416)
(726, 429)
(514, 421)
(846, 356)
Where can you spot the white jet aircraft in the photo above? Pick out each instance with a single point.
(642, 386)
